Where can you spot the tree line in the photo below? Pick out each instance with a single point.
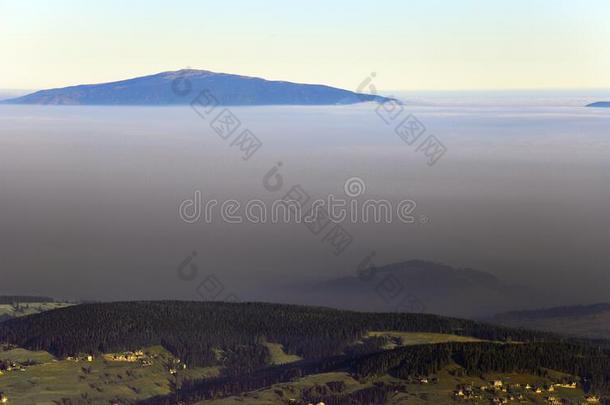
(193, 331)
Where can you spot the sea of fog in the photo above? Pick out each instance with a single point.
(90, 196)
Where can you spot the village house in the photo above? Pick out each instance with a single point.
(571, 385)
(592, 399)
(130, 357)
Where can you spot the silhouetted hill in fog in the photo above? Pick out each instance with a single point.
(420, 286)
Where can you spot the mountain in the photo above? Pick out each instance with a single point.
(419, 286)
(589, 321)
(600, 104)
(182, 86)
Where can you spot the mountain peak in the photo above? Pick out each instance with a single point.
(227, 89)
(186, 73)
(424, 286)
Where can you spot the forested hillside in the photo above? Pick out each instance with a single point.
(413, 361)
(235, 337)
(193, 331)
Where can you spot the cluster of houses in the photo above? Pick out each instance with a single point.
(138, 356)
(514, 392)
(144, 359)
(131, 357)
(11, 366)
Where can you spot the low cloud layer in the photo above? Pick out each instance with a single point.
(90, 198)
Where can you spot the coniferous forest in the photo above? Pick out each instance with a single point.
(190, 330)
(324, 338)
(589, 363)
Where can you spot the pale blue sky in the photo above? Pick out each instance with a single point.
(411, 45)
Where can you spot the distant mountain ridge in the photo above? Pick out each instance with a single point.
(419, 286)
(182, 86)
